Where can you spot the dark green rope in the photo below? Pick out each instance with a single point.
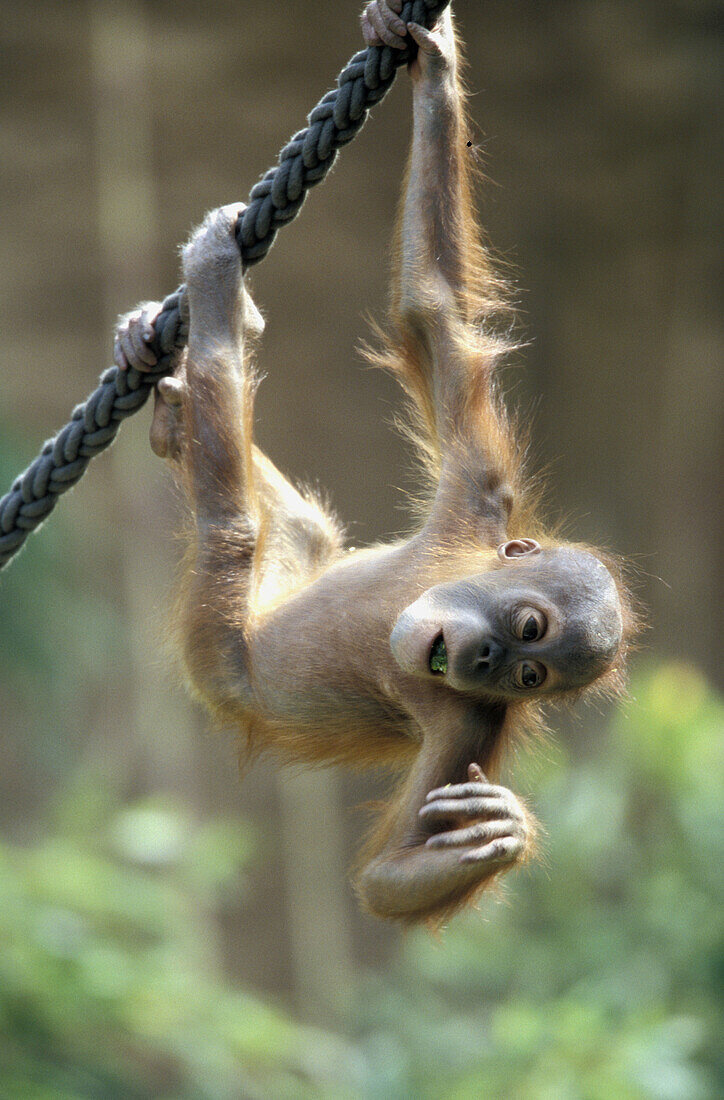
(274, 201)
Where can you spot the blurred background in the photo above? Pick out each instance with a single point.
(171, 929)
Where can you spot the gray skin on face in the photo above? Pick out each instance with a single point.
(538, 625)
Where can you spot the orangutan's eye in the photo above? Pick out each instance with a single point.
(531, 625)
(530, 675)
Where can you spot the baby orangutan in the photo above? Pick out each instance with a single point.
(425, 654)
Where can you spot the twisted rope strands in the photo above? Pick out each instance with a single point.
(274, 201)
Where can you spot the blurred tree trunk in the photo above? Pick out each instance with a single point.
(154, 724)
(315, 869)
(691, 439)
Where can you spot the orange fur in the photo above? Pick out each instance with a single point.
(286, 638)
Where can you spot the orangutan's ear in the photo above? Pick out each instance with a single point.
(517, 548)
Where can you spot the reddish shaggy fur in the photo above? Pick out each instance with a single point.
(269, 550)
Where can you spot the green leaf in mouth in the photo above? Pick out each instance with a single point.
(438, 656)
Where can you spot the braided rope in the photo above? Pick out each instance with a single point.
(274, 201)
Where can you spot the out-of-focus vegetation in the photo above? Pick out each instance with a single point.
(595, 976)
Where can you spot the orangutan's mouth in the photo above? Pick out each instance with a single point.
(438, 656)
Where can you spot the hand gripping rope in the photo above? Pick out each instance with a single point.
(274, 201)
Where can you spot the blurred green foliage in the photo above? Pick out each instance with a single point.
(110, 970)
(599, 977)
(593, 978)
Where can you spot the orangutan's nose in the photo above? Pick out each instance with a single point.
(490, 655)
